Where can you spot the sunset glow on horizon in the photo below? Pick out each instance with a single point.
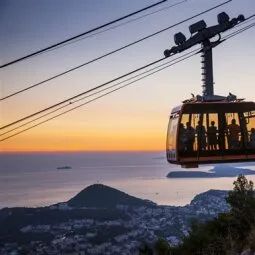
(79, 142)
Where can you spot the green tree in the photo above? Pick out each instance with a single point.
(241, 216)
(24, 251)
(205, 238)
(242, 196)
(162, 247)
(229, 233)
(145, 250)
(251, 240)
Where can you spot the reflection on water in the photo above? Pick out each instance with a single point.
(33, 180)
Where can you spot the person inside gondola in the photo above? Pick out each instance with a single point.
(201, 136)
(212, 136)
(182, 137)
(252, 138)
(190, 134)
(233, 134)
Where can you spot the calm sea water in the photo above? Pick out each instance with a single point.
(31, 179)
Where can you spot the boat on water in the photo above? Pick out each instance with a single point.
(64, 167)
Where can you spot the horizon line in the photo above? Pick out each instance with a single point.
(77, 151)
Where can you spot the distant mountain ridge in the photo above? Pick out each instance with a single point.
(216, 172)
(102, 196)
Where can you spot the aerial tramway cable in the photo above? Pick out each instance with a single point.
(119, 25)
(239, 31)
(151, 73)
(247, 20)
(95, 88)
(107, 93)
(182, 58)
(97, 92)
(112, 52)
(80, 35)
(83, 93)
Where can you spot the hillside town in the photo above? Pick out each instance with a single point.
(116, 236)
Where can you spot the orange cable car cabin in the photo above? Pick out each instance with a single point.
(211, 132)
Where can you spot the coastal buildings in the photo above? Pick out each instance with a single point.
(119, 235)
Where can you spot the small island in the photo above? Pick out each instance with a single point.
(217, 172)
(64, 167)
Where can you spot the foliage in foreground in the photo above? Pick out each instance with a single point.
(229, 233)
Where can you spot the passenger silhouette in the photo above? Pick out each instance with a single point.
(212, 136)
(190, 133)
(201, 136)
(252, 138)
(233, 134)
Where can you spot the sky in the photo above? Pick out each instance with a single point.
(133, 118)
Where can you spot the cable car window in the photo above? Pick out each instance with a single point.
(233, 135)
(187, 132)
(201, 142)
(250, 126)
(200, 132)
(212, 124)
(172, 131)
(207, 132)
(185, 118)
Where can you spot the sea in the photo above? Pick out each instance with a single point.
(33, 180)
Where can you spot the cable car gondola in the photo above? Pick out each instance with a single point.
(209, 128)
(211, 132)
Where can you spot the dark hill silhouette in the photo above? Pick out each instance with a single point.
(101, 196)
(216, 172)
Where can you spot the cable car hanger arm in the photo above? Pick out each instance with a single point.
(201, 33)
